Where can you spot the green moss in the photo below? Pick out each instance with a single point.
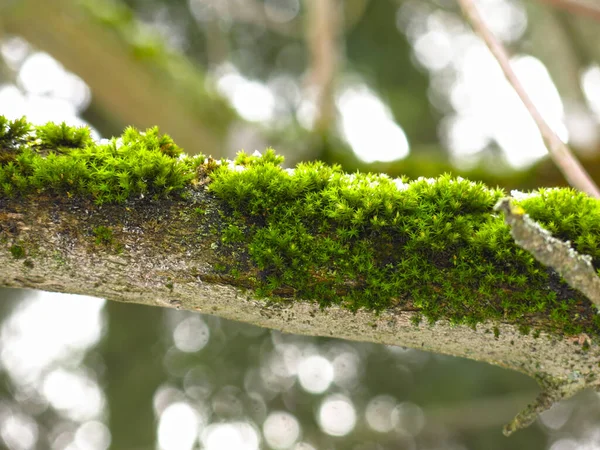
(434, 246)
(232, 233)
(13, 132)
(64, 160)
(524, 329)
(62, 136)
(219, 267)
(104, 235)
(17, 251)
(496, 332)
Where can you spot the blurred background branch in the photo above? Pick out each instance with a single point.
(324, 25)
(134, 77)
(584, 8)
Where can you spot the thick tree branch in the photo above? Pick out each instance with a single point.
(309, 251)
(158, 258)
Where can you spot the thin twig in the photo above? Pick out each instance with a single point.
(562, 156)
(586, 9)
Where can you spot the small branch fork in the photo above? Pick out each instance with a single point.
(562, 156)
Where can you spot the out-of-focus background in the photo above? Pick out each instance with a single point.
(399, 86)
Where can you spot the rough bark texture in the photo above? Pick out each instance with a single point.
(162, 255)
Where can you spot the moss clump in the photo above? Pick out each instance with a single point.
(368, 241)
(59, 159)
(232, 234)
(60, 137)
(13, 134)
(570, 216)
(17, 251)
(104, 235)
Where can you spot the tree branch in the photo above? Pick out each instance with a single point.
(308, 251)
(324, 24)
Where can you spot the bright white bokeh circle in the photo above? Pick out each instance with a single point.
(315, 374)
(281, 430)
(337, 415)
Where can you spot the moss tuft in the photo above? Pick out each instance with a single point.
(13, 133)
(64, 160)
(17, 251)
(58, 137)
(104, 235)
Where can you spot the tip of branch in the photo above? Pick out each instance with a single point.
(552, 393)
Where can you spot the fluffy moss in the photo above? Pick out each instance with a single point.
(17, 251)
(104, 235)
(433, 246)
(64, 160)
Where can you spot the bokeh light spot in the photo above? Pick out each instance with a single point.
(379, 413)
(315, 374)
(281, 430)
(178, 427)
(230, 436)
(191, 334)
(337, 415)
(369, 127)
